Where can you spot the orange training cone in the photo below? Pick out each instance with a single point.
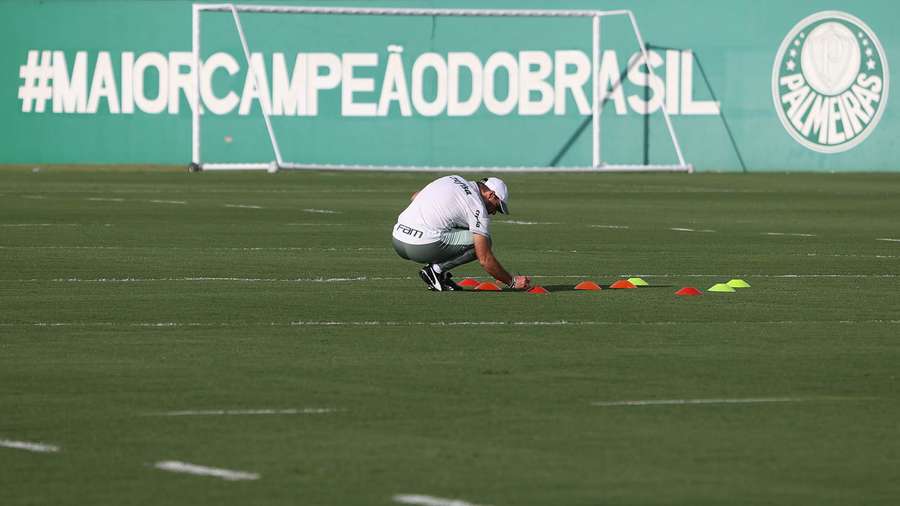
(468, 283)
(539, 290)
(587, 285)
(688, 291)
(487, 286)
(622, 283)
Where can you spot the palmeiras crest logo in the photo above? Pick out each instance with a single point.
(830, 82)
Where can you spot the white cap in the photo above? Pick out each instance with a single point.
(496, 185)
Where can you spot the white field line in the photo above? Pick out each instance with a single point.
(316, 224)
(34, 197)
(103, 199)
(750, 400)
(697, 275)
(243, 412)
(214, 248)
(389, 323)
(704, 230)
(516, 222)
(40, 225)
(788, 234)
(881, 257)
(207, 279)
(184, 467)
(887, 239)
(179, 202)
(28, 446)
(204, 279)
(243, 206)
(427, 500)
(613, 227)
(321, 211)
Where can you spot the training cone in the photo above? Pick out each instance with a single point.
(622, 283)
(487, 286)
(738, 283)
(468, 283)
(721, 288)
(539, 290)
(587, 285)
(638, 282)
(688, 291)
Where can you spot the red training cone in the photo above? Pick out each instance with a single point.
(622, 283)
(539, 290)
(587, 285)
(487, 286)
(688, 291)
(468, 283)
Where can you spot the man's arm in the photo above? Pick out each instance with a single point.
(492, 266)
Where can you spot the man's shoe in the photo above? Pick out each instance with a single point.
(449, 284)
(432, 279)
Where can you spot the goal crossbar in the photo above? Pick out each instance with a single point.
(390, 11)
(279, 163)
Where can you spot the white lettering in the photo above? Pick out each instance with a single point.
(816, 121)
(288, 96)
(673, 67)
(688, 104)
(492, 65)
(609, 82)
(215, 104)
(318, 82)
(573, 82)
(256, 87)
(652, 83)
(103, 85)
(161, 64)
(352, 84)
(394, 88)
(455, 62)
(423, 106)
(69, 92)
(534, 69)
(180, 82)
(835, 115)
(127, 83)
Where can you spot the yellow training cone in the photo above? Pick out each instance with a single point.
(738, 283)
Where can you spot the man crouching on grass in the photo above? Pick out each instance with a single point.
(446, 226)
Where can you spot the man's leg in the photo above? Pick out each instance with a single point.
(455, 248)
(459, 246)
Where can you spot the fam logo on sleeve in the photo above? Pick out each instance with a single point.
(830, 82)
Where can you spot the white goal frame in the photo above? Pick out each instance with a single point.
(279, 163)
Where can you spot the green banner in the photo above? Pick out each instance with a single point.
(748, 85)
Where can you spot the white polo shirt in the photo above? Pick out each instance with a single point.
(446, 203)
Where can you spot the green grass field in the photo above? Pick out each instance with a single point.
(129, 295)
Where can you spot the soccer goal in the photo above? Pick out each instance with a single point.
(411, 89)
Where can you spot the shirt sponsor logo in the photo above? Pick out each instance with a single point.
(477, 214)
(463, 185)
(409, 231)
(830, 82)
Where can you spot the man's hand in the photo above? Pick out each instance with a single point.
(521, 282)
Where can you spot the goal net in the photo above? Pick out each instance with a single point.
(449, 90)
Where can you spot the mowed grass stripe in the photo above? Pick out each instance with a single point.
(29, 446)
(481, 398)
(485, 323)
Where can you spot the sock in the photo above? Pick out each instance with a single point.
(436, 268)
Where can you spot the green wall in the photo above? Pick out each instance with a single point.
(734, 45)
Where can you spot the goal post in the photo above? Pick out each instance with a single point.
(276, 161)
